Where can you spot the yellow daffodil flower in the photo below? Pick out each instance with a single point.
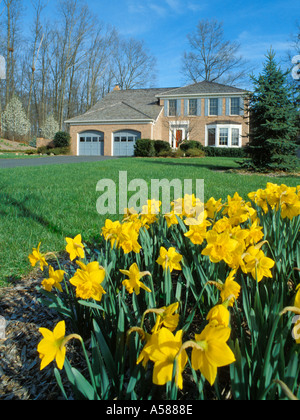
(75, 248)
(210, 351)
(54, 280)
(258, 264)
(230, 288)
(166, 317)
(52, 346)
(163, 351)
(219, 246)
(87, 281)
(212, 207)
(133, 283)
(169, 259)
(220, 314)
(36, 257)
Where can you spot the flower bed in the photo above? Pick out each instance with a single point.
(180, 307)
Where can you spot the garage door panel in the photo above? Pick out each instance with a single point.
(91, 144)
(124, 142)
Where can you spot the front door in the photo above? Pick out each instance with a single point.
(179, 136)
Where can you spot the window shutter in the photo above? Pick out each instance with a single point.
(198, 107)
(166, 105)
(220, 106)
(227, 106)
(186, 107)
(206, 106)
(178, 107)
(242, 107)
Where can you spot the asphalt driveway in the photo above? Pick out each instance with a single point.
(50, 160)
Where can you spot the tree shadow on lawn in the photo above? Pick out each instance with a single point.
(25, 212)
(198, 165)
(237, 170)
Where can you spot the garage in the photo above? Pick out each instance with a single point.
(124, 142)
(91, 143)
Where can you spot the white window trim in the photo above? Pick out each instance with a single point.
(229, 127)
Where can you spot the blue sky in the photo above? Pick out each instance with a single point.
(164, 24)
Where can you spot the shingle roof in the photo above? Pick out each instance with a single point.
(203, 88)
(142, 104)
(137, 104)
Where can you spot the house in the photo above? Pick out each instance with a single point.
(208, 112)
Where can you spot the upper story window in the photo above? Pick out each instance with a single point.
(235, 106)
(193, 107)
(172, 108)
(213, 106)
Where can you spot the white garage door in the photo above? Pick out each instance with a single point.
(124, 142)
(91, 143)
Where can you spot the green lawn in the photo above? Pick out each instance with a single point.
(51, 202)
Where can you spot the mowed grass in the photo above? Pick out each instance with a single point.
(48, 203)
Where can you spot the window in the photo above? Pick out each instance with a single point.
(193, 107)
(172, 108)
(211, 137)
(235, 106)
(95, 139)
(220, 135)
(82, 139)
(88, 139)
(223, 137)
(235, 137)
(213, 106)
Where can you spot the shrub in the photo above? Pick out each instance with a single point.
(144, 148)
(195, 153)
(46, 150)
(225, 152)
(161, 146)
(62, 139)
(191, 144)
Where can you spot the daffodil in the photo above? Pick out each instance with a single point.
(212, 207)
(220, 314)
(87, 281)
(258, 264)
(36, 257)
(210, 351)
(133, 282)
(167, 317)
(230, 289)
(54, 280)
(149, 213)
(163, 352)
(52, 346)
(111, 231)
(75, 248)
(169, 259)
(219, 246)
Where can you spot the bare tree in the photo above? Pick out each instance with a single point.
(212, 58)
(134, 65)
(38, 6)
(13, 13)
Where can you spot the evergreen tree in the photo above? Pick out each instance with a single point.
(273, 121)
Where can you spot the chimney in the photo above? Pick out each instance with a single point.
(116, 88)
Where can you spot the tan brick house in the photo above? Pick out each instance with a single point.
(210, 113)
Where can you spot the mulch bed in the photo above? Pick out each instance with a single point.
(20, 375)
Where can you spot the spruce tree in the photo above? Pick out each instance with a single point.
(273, 121)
